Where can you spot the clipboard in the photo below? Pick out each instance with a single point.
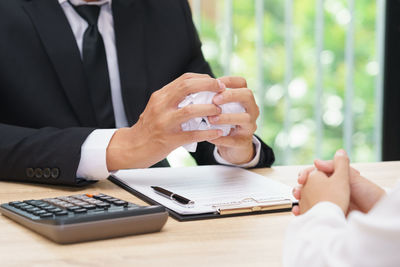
(239, 207)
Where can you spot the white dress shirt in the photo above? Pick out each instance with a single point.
(93, 165)
(324, 237)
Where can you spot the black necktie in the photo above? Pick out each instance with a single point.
(95, 66)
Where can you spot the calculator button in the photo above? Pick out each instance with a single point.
(32, 210)
(39, 212)
(72, 208)
(120, 203)
(26, 207)
(20, 205)
(103, 205)
(89, 207)
(61, 213)
(42, 205)
(54, 209)
(80, 211)
(15, 203)
(80, 203)
(60, 202)
(49, 200)
(34, 202)
(30, 202)
(67, 205)
(45, 215)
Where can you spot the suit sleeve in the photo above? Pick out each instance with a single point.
(47, 155)
(198, 64)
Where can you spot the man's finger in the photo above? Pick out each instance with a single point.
(188, 137)
(233, 82)
(191, 75)
(231, 118)
(195, 110)
(341, 164)
(232, 141)
(185, 87)
(242, 95)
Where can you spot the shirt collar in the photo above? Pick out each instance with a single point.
(82, 2)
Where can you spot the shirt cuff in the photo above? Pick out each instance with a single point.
(326, 209)
(250, 164)
(93, 163)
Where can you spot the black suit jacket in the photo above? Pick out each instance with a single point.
(45, 111)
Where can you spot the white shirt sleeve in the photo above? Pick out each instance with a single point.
(93, 164)
(323, 236)
(250, 164)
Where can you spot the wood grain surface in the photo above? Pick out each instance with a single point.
(239, 241)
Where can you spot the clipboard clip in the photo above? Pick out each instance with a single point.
(251, 205)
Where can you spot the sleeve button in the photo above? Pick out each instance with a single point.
(46, 173)
(55, 172)
(38, 173)
(30, 172)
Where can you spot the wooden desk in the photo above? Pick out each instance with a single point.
(240, 241)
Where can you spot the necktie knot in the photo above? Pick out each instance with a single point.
(90, 13)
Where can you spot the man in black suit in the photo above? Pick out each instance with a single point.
(55, 129)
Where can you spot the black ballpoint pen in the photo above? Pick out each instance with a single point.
(168, 194)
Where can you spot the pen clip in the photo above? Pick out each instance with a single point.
(245, 207)
(190, 204)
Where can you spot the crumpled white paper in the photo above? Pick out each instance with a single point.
(202, 123)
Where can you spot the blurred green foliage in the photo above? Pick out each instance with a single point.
(301, 140)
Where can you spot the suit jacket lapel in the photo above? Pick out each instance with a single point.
(60, 44)
(129, 38)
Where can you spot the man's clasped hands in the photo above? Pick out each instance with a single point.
(158, 130)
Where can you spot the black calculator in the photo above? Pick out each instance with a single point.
(84, 217)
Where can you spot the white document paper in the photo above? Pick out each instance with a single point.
(209, 187)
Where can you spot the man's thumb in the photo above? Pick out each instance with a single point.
(341, 163)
